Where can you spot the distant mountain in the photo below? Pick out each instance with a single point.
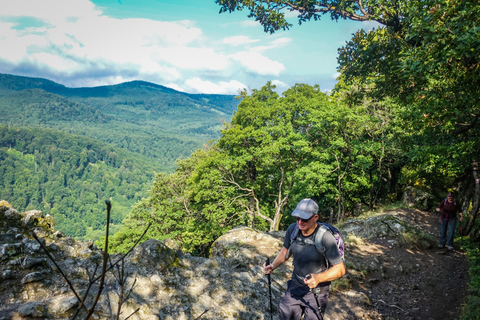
(134, 90)
(9, 83)
(32, 106)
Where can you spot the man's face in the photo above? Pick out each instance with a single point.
(307, 224)
(450, 199)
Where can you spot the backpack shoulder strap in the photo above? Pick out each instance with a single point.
(319, 240)
(293, 236)
(319, 237)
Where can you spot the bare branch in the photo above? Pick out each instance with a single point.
(105, 260)
(132, 313)
(201, 314)
(126, 254)
(61, 272)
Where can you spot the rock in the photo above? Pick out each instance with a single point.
(359, 295)
(31, 218)
(33, 277)
(7, 275)
(63, 307)
(32, 246)
(33, 309)
(47, 223)
(58, 234)
(153, 253)
(12, 214)
(10, 250)
(7, 238)
(29, 263)
(416, 198)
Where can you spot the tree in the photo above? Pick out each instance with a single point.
(271, 13)
(425, 58)
(268, 139)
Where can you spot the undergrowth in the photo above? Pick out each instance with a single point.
(471, 309)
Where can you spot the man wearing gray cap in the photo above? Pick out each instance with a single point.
(310, 270)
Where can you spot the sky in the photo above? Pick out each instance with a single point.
(182, 44)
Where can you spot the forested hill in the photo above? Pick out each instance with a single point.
(65, 150)
(70, 177)
(134, 91)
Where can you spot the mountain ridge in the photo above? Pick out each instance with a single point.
(18, 83)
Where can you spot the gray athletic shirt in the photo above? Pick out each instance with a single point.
(306, 258)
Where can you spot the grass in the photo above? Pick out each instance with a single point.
(471, 309)
(418, 239)
(378, 211)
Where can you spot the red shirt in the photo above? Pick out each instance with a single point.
(449, 208)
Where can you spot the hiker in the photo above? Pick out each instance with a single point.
(299, 299)
(448, 209)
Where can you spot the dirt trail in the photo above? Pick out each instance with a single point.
(404, 283)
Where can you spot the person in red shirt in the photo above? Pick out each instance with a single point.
(448, 209)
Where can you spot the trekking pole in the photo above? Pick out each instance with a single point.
(269, 289)
(315, 294)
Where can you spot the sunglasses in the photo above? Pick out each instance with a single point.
(303, 220)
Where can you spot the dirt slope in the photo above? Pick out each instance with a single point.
(403, 283)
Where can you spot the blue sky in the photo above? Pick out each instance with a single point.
(183, 44)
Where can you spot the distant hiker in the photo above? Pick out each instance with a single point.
(307, 259)
(448, 209)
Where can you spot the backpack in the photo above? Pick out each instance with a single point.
(324, 227)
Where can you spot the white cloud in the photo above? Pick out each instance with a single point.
(275, 44)
(257, 63)
(369, 25)
(250, 24)
(231, 87)
(290, 14)
(336, 75)
(279, 84)
(175, 86)
(80, 45)
(239, 40)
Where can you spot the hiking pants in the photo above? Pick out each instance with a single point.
(293, 307)
(447, 223)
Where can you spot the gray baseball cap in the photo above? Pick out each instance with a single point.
(305, 209)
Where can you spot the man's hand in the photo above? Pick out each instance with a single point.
(267, 269)
(310, 281)
(437, 209)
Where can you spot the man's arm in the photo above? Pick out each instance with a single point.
(333, 273)
(279, 260)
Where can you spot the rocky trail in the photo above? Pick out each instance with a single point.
(405, 283)
(387, 277)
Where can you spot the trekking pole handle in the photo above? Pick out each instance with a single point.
(314, 290)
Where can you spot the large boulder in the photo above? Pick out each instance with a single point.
(154, 253)
(417, 198)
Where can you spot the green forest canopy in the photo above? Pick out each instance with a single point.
(70, 177)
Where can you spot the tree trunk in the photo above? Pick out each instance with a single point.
(330, 220)
(339, 213)
(473, 213)
(251, 205)
(370, 204)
